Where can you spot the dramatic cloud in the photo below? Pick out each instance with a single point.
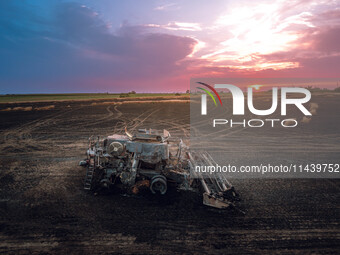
(178, 26)
(78, 49)
(53, 46)
(276, 36)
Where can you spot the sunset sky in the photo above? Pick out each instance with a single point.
(157, 46)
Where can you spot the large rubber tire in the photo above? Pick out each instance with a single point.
(158, 184)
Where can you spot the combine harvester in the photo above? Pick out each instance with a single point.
(154, 160)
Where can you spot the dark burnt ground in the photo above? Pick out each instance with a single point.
(43, 208)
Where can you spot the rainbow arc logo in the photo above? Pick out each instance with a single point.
(209, 93)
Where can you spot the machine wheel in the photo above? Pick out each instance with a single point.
(158, 184)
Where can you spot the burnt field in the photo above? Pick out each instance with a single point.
(44, 209)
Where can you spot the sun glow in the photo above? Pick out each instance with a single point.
(254, 31)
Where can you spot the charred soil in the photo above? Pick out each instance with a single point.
(44, 209)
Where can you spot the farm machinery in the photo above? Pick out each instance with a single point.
(153, 160)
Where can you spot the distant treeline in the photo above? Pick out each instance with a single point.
(77, 96)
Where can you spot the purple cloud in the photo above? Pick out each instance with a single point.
(78, 50)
